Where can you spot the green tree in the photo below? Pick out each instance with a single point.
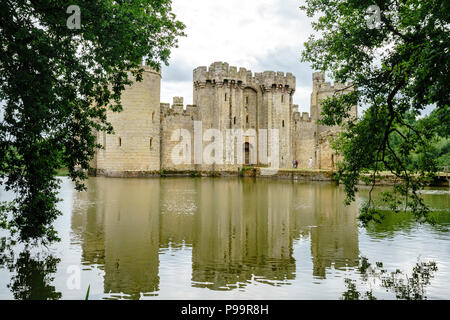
(439, 148)
(396, 54)
(403, 286)
(58, 77)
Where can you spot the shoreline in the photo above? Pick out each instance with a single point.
(384, 179)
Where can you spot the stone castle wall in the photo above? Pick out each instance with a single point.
(134, 148)
(150, 136)
(228, 98)
(327, 156)
(303, 138)
(176, 118)
(312, 140)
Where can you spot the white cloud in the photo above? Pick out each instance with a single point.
(255, 34)
(177, 89)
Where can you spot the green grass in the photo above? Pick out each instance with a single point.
(63, 172)
(87, 293)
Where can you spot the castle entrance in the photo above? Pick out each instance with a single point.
(247, 153)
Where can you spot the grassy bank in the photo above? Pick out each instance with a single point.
(62, 172)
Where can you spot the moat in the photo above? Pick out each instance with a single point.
(225, 238)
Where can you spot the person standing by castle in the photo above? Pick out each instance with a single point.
(293, 164)
(310, 163)
(296, 164)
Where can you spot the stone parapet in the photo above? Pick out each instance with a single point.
(177, 108)
(306, 117)
(220, 73)
(320, 85)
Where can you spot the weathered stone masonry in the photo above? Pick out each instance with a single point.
(224, 98)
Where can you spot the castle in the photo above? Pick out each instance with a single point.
(147, 133)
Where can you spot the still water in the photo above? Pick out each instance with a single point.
(228, 238)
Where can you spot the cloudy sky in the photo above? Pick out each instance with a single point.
(255, 34)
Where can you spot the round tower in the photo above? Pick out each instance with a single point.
(133, 149)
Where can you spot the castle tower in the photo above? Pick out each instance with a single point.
(323, 90)
(228, 98)
(322, 152)
(134, 148)
(318, 81)
(277, 108)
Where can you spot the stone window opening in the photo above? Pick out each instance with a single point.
(246, 119)
(234, 120)
(246, 100)
(282, 98)
(151, 143)
(282, 123)
(247, 153)
(226, 96)
(120, 141)
(153, 116)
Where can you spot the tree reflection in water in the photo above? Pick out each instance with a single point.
(33, 274)
(403, 286)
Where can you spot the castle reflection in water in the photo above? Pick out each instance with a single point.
(239, 230)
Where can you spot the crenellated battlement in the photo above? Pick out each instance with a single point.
(306, 117)
(220, 73)
(177, 108)
(297, 116)
(301, 117)
(318, 77)
(164, 107)
(150, 70)
(271, 79)
(320, 85)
